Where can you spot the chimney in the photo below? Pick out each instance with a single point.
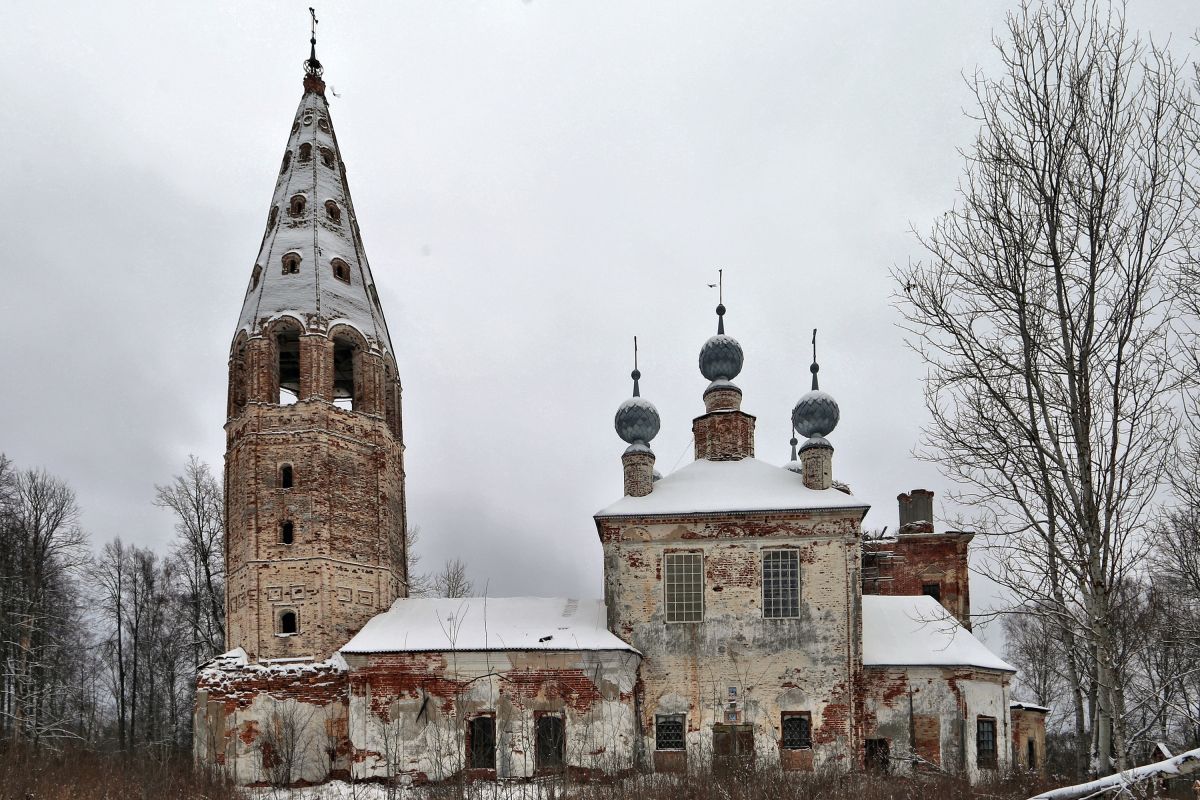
(916, 511)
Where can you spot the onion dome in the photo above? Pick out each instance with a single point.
(637, 419)
(721, 355)
(794, 465)
(816, 414)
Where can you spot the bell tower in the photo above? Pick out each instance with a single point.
(314, 461)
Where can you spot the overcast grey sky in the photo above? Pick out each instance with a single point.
(536, 182)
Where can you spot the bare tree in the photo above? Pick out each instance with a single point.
(452, 581)
(419, 583)
(1045, 314)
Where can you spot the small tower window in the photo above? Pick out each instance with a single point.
(287, 160)
(295, 126)
(285, 476)
(341, 270)
(306, 152)
(323, 124)
(272, 217)
(287, 532)
(296, 207)
(307, 120)
(291, 263)
(287, 622)
(254, 277)
(344, 372)
(287, 345)
(333, 212)
(327, 157)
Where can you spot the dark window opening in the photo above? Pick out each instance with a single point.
(669, 732)
(333, 212)
(254, 277)
(288, 344)
(550, 745)
(797, 731)
(341, 270)
(985, 743)
(934, 590)
(285, 476)
(287, 622)
(291, 263)
(481, 743)
(287, 532)
(879, 757)
(306, 152)
(781, 583)
(274, 215)
(344, 352)
(327, 157)
(287, 160)
(296, 207)
(1030, 754)
(323, 124)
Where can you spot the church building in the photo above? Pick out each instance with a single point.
(747, 622)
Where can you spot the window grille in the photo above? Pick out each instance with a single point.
(668, 732)
(684, 586)
(781, 583)
(797, 731)
(985, 743)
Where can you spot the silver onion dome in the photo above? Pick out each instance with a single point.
(637, 419)
(721, 355)
(815, 414)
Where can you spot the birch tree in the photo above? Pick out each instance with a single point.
(1044, 309)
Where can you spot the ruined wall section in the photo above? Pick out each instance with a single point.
(247, 717)
(1029, 738)
(906, 564)
(409, 711)
(737, 667)
(928, 716)
(345, 507)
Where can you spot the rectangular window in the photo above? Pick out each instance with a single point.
(481, 741)
(668, 732)
(797, 730)
(934, 590)
(879, 755)
(684, 574)
(781, 583)
(985, 743)
(550, 745)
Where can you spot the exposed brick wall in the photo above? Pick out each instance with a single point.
(726, 435)
(1028, 726)
(912, 560)
(639, 472)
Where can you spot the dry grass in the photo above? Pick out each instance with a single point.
(78, 774)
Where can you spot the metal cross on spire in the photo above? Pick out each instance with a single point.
(814, 368)
(636, 374)
(312, 66)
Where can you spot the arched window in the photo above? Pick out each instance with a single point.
(291, 263)
(254, 277)
(238, 389)
(323, 124)
(345, 379)
(306, 152)
(287, 622)
(287, 160)
(341, 270)
(285, 476)
(287, 532)
(295, 126)
(327, 157)
(333, 212)
(274, 215)
(296, 207)
(287, 343)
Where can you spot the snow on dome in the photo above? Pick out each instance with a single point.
(318, 237)
(917, 631)
(815, 414)
(706, 487)
(424, 624)
(721, 358)
(637, 420)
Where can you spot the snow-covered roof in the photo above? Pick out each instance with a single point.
(316, 298)
(1028, 707)
(918, 632)
(421, 624)
(705, 487)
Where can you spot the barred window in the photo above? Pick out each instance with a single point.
(797, 731)
(781, 583)
(985, 743)
(668, 732)
(684, 586)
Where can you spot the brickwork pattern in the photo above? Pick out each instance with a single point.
(928, 558)
(724, 435)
